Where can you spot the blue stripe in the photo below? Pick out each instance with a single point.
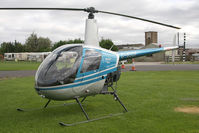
(97, 75)
(70, 86)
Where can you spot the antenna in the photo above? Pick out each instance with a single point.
(111, 47)
(184, 54)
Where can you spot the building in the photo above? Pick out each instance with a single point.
(169, 56)
(9, 56)
(151, 37)
(189, 52)
(158, 57)
(37, 56)
(151, 41)
(195, 57)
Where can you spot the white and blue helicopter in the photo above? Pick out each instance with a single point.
(79, 70)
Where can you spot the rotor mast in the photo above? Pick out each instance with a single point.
(91, 29)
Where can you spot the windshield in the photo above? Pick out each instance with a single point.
(60, 67)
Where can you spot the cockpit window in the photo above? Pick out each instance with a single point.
(92, 61)
(66, 59)
(60, 67)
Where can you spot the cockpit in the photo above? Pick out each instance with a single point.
(74, 63)
(60, 67)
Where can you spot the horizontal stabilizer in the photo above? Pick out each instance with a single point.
(142, 52)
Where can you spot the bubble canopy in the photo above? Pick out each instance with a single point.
(60, 67)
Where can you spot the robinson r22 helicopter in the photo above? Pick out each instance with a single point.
(80, 70)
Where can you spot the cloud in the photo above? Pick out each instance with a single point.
(60, 25)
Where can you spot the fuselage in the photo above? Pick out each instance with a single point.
(75, 71)
(79, 70)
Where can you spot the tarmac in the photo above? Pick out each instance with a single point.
(160, 66)
(139, 66)
(10, 74)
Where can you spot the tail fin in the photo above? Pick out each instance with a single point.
(173, 52)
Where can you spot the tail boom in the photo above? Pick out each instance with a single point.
(123, 55)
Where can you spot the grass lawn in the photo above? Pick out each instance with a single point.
(150, 97)
(14, 66)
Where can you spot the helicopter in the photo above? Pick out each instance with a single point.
(75, 71)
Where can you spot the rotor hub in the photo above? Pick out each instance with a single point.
(91, 11)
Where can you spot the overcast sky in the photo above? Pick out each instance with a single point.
(63, 25)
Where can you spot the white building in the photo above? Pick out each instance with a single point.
(38, 56)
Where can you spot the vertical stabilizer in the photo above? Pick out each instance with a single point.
(91, 33)
(173, 51)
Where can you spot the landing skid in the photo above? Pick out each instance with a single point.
(80, 104)
(90, 120)
(45, 106)
(22, 110)
(100, 118)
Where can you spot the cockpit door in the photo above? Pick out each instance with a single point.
(60, 67)
(90, 64)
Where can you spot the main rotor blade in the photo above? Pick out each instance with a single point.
(32, 8)
(92, 10)
(151, 21)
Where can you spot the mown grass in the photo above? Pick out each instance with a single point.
(21, 65)
(150, 97)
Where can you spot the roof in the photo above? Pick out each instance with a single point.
(195, 54)
(152, 45)
(130, 45)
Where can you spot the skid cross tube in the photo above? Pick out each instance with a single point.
(47, 103)
(117, 98)
(83, 99)
(77, 100)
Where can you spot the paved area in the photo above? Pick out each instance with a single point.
(8, 74)
(140, 66)
(148, 63)
(161, 67)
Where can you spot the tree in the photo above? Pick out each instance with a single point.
(60, 43)
(31, 43)
(7, 47)
(10, 47)
(18, 47)
(35, 44)
(44, 44)
(107, 44)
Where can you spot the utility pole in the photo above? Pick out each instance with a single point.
(184, 54)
